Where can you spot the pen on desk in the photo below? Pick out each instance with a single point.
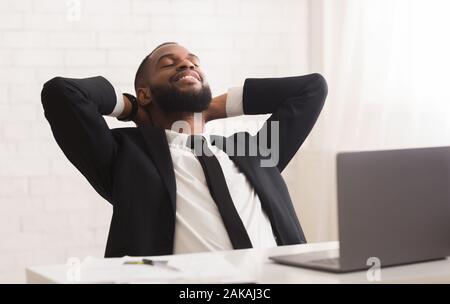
(152, 263)
(134, 263)
(140, 262)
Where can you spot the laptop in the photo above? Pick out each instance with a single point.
(392, 205)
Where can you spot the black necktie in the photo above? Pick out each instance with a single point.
(219, 191)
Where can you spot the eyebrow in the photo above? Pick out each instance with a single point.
(171, 55)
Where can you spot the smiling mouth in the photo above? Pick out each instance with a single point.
(187, 77)
(187, 80)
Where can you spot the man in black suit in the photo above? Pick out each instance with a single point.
(178, 190)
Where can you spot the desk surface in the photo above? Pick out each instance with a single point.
(256, 265)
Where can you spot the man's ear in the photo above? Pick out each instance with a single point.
(144, 96)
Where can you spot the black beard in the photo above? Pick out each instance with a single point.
(171, 100)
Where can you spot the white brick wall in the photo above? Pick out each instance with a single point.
(48, 211)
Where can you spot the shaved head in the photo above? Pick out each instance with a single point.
(142, 71)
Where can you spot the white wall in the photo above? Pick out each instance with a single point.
(386, 64)
(48, 212)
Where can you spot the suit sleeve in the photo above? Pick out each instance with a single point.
(295, 104)
(74, 109)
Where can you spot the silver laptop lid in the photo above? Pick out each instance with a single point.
(393, 205)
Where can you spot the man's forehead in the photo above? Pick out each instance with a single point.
(168, 49)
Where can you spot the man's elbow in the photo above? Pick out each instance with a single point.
(320, 86)
(52, 90)
(315, 92)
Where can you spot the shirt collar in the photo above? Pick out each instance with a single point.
(180, 139)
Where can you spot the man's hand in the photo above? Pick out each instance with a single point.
(142, 117)
(217, 108)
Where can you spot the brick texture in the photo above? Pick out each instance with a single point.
(48, 211)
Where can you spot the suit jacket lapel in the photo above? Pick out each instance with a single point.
(158, 148)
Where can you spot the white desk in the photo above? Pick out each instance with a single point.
(260, 269)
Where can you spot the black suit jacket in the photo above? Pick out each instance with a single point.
(132, 167)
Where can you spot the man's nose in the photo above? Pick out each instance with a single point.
(185, 64)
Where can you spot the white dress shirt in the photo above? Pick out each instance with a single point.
(198, 225)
